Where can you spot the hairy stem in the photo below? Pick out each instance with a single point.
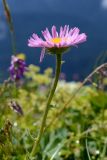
(52, 91)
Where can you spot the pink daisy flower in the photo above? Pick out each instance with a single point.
(57, 43)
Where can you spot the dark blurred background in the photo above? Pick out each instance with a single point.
(35, 15)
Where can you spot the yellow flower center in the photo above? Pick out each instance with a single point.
(56, 40)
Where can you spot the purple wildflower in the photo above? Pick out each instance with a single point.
(55, 42)
(16, 107)
(17, 68)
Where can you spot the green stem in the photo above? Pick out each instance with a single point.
(13, 41)
(52, 91)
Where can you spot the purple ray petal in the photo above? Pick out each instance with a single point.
(42, 54)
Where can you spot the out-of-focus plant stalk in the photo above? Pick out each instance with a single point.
(66, 105)
(10, 23)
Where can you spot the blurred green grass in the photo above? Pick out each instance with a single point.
(77, 133)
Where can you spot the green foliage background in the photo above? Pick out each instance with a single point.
(78, 132)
